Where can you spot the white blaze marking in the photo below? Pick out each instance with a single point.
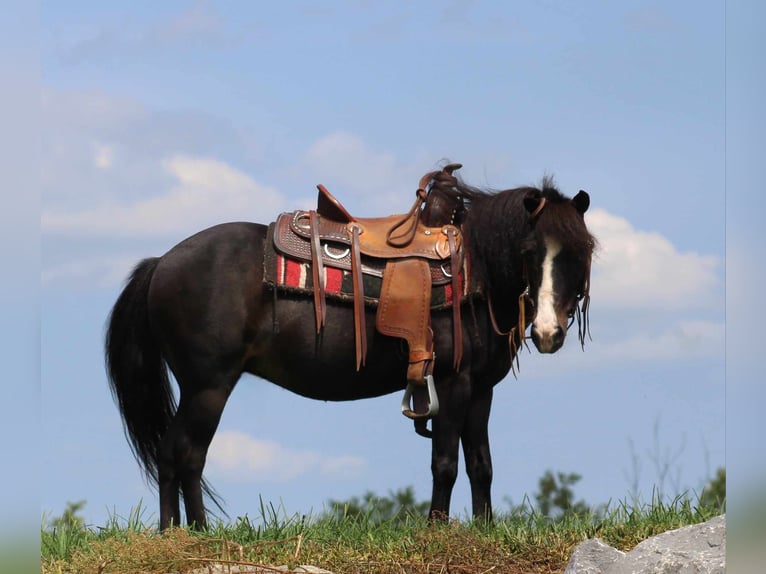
(546, 321)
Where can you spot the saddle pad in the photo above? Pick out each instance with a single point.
(294, 276)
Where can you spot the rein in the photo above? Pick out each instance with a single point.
(521, 326)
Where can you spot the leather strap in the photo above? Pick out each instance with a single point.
(419, 356)
(399, 238)
(317, 270)
(360, 328)
(421, 363)
(457, 327)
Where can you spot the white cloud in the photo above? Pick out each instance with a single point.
(685, 339)
(208, 191)
(347, 158)
(103, 156)
(237, 455)
(639, 269)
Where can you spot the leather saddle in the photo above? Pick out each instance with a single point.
(412, 252)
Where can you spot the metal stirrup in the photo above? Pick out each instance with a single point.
(433, 400)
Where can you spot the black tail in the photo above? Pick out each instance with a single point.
(138, 375)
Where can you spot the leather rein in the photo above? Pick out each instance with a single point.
(524, 298)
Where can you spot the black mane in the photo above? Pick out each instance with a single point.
(496, 227)
(560, 222)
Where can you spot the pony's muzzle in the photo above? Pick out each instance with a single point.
(548, 340)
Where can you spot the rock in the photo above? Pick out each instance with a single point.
(696, 549)
(592, 557)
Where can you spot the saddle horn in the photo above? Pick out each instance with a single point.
(403, 231)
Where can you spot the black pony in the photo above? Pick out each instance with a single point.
(203, 311)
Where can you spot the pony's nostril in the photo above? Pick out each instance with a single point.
(548, 341)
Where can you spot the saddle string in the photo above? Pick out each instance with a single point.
(457, 327)
(360, 327)
(317, 267)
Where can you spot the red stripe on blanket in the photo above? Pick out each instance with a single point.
(291, 273)
(294, 274)
(448, 297)
(333, 279)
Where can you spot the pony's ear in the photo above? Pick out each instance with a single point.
(532, 202)
(581, 201)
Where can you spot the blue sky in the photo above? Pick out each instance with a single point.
(159, 121)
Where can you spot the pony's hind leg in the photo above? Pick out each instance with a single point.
(184, 451)
(168, 481)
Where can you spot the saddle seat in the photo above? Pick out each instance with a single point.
(412, 252)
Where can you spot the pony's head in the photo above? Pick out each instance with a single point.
(532, 244)
(557, 258)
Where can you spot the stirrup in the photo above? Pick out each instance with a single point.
(433, 400)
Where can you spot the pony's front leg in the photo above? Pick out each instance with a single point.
(445, 442)
(444, 462)
(478, 461)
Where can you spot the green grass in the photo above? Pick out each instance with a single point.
(522, 542)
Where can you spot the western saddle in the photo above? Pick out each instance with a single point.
(411, 252)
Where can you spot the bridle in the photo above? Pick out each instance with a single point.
(578, 313)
